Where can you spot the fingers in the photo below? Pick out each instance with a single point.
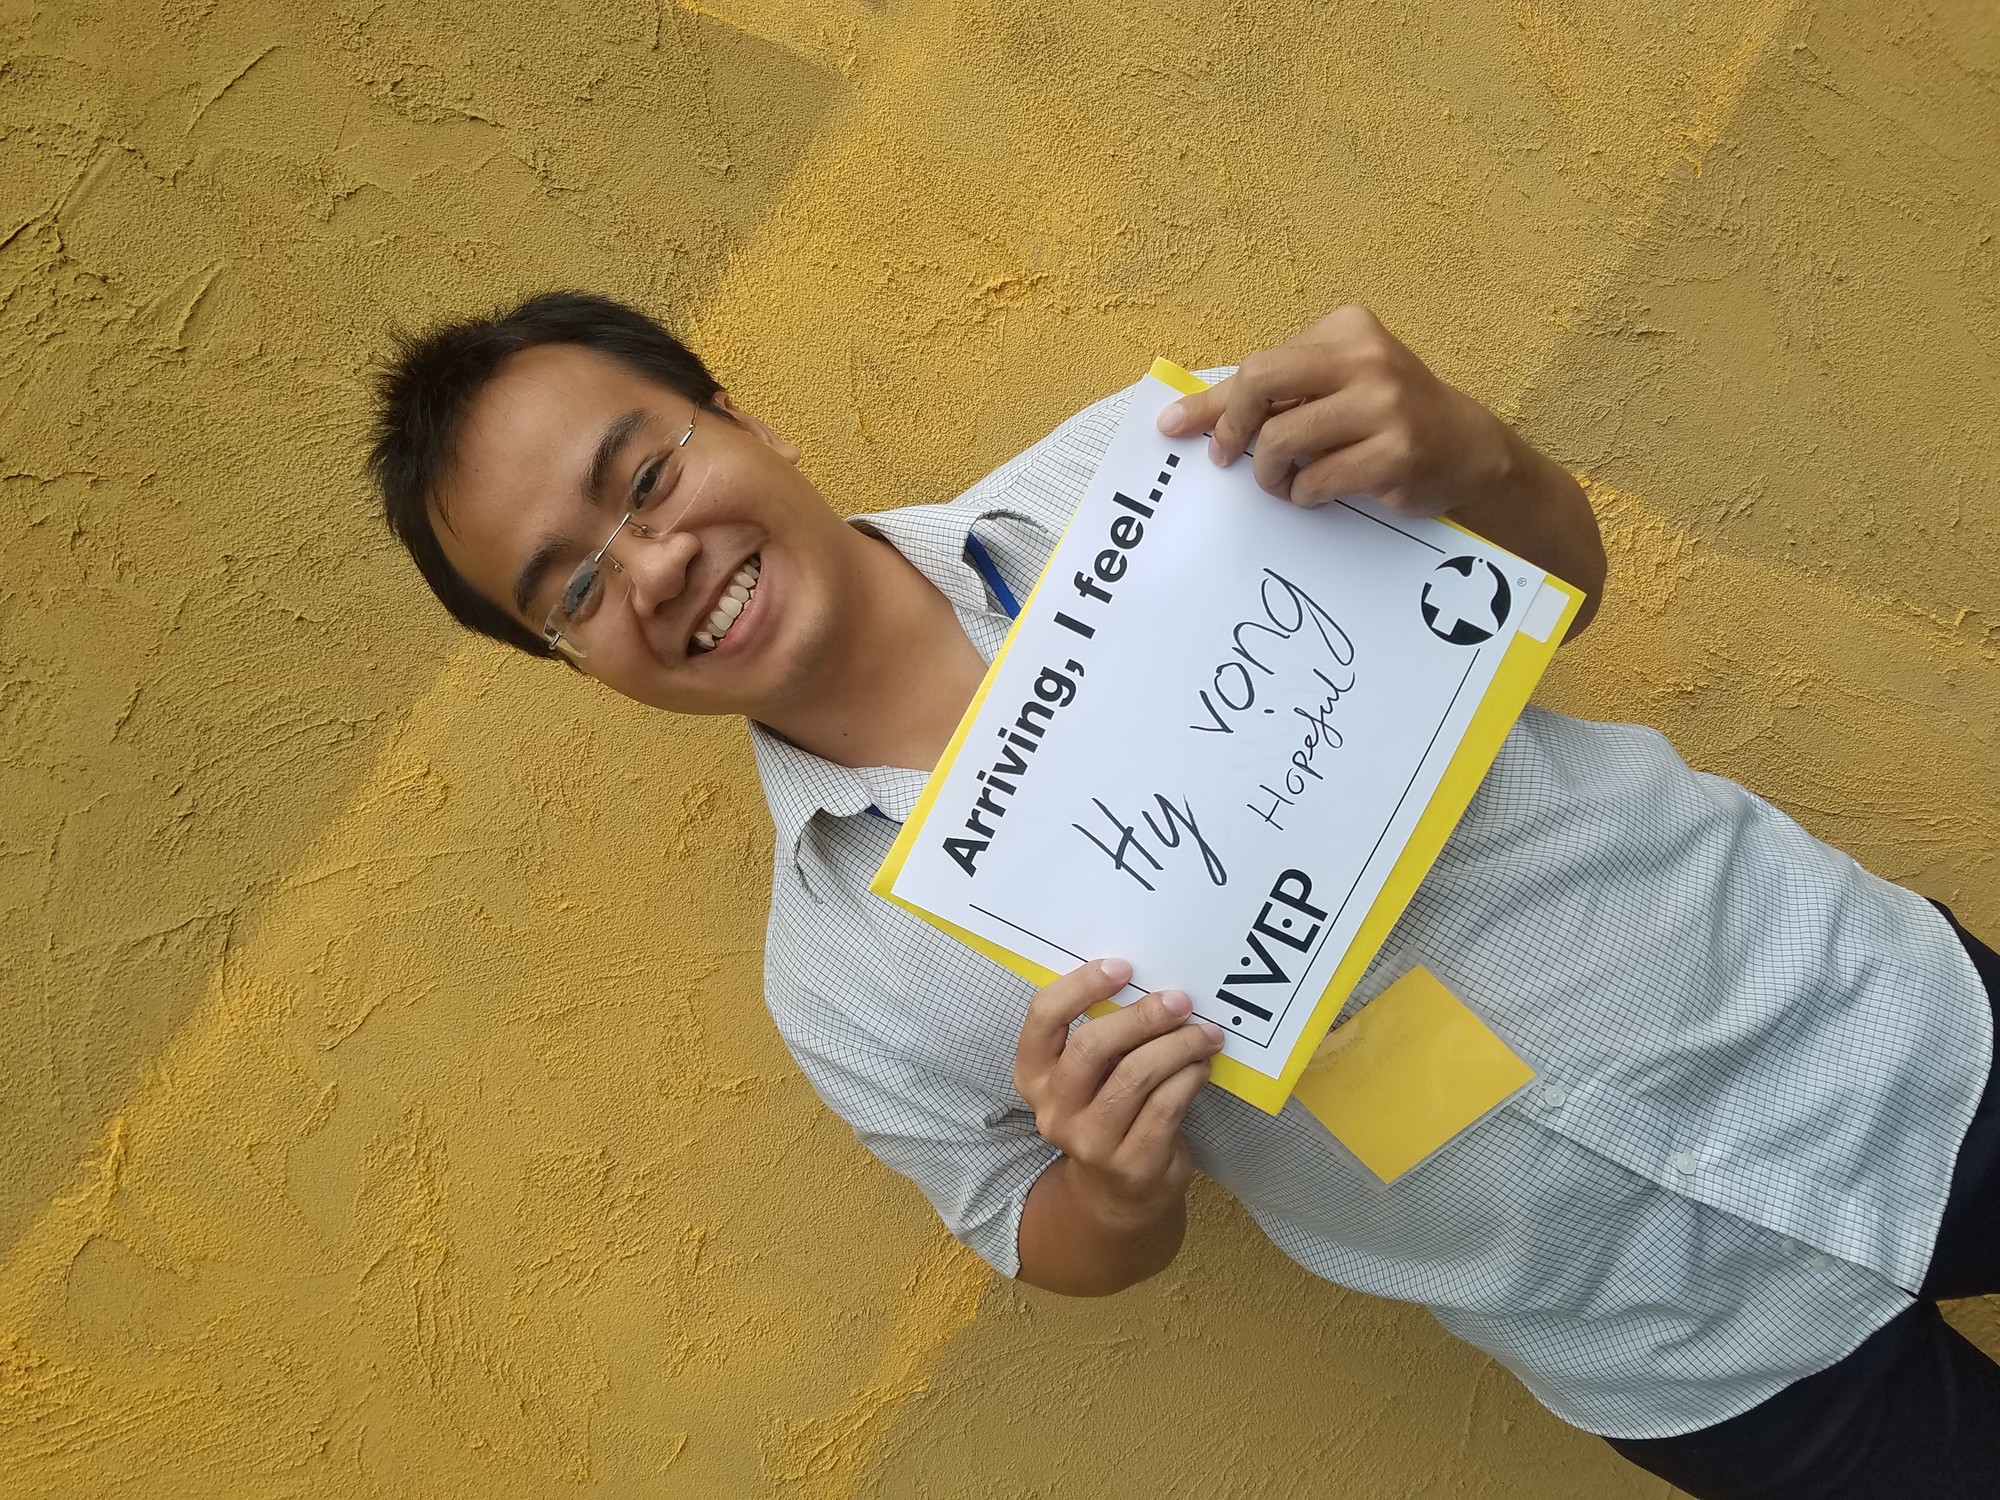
(1269, 381)
(1291, 372)
(1378, 468)
(1165, 1063)
(1314, 362)
(1095, 1050)
(1196, 412)
(1153, 1139)
(1046, 1031)
(1199, 411)
(1088, 1086)
(1305, 433)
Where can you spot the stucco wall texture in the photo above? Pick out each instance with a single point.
(386, 1101)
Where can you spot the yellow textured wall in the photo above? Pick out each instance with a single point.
(386, 1101)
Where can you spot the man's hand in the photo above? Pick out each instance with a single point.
(1344, 409)
(1111, 1097)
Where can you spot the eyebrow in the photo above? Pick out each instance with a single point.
(553, 548)
(615, 437)
(529, 583)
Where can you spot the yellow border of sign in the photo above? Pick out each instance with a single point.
(1513, 683)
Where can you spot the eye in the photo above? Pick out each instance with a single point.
(581, 593)
(652, 483)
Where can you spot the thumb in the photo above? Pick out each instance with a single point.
(1198, 412)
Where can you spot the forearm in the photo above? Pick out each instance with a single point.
(1071, 1242)
(1536, 510)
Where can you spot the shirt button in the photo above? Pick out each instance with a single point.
(1788, 1246)
(1821, 1262)
(1553, 1096)
(1685, 1164)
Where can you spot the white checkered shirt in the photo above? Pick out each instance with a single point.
(1757, 1060)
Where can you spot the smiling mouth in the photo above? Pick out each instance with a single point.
(728, 609)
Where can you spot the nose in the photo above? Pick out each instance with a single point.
(655, 568)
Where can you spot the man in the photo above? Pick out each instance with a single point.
(1758, 1147)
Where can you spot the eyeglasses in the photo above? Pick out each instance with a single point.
(568, 626)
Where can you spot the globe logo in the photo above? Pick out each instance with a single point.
(1466, 601)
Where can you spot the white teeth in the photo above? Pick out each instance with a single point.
(729, 606)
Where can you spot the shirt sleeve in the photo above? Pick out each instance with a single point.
(973, 1151)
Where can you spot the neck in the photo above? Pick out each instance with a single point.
(892, 690)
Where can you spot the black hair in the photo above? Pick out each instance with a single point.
(424, 392)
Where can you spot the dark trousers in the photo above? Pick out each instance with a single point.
(1914, 1413)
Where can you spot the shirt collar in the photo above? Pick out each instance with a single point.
(799, 785)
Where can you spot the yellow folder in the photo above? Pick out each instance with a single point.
(1520, 669)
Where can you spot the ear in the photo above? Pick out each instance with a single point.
(785, 447)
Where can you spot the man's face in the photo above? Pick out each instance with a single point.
(519, 511)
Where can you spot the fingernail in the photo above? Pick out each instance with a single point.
(1115, 969)
(1172, 417)
(1213, 1032)
(1176, 1003)
(1215, 451)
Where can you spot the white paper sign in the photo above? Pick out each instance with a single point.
(1212, 733)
